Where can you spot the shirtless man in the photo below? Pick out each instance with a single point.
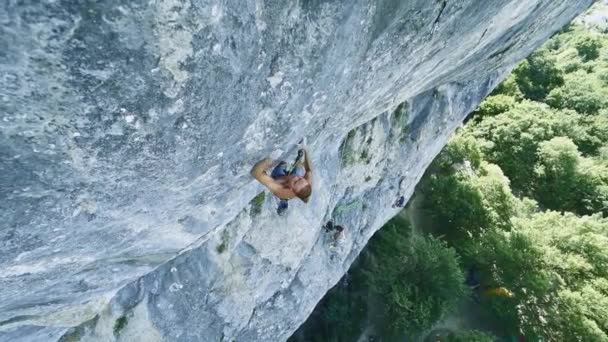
(283, 184)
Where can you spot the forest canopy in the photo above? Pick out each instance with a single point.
(521, 192)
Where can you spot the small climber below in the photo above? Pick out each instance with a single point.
(286, 184)
(338, 235)
(399, 202)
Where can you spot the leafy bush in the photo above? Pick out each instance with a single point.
(339, 316)
(510, 88)
(461, 148)
(538, 75)
(343, 314)
(416, 279)
(470, 336)
(588, 48)
(573, 250)
(455, 205)
(463, 199)
(556, 174)
(567, 181)
(511, 140)
(494, 105)
(582, 93)
(595, 133)
(513, 261)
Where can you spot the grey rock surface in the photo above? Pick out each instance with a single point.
(128, 129)
(596, 17)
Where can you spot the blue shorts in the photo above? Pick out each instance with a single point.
(281, 171)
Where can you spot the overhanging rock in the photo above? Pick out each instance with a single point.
(128, 130)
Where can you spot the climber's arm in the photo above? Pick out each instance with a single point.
(259, 172)
(307, 166)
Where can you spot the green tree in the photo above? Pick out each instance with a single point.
(593, 186)
(538, 75)
(455, 205)
(465, 195)
(342, 316)
(494, 105)
(556, 174)
(595, 133)
(511, 140)
(509, 87)
(416, 279)
(470, 336)
(512, 260)
(462, 148)
(580, 92)
(573, 251)
(567, 181)
(588, 48)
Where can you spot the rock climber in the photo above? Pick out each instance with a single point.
(286, 184)
(399, 202)
(337, 236)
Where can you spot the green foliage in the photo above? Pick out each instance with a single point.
(470, 336)
(120, 323)
(417, 279)
(588, 48)
(462, 148)
(394, 275)
(593, 132)
(510, 88)
(400, 122)
(567, 181)
(256, 203)
(355, 148)
(511, 139)
(554, 44)
(463, 201)
(400, 115)
(582, 93)
(538, 75)
(556, 173)
(70, 336)
(574, 253)
(225, 237)
(573, 247)
(513, 261)
(365, 156)
(455, 205)
(603, 153)
(494, 105)
(583, 315)
(347, 153)
(342, 316)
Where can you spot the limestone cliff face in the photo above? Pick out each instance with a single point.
(129, 127)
